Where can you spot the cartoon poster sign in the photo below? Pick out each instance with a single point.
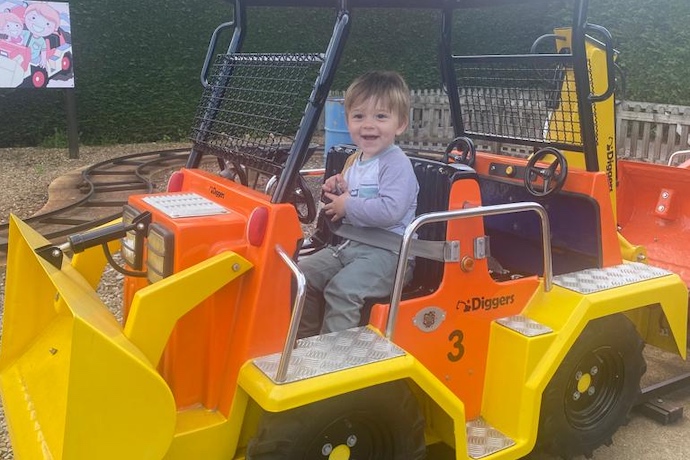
(35, 45)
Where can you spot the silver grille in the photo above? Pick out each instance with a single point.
(185, 205)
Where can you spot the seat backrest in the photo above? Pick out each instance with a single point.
(435, 180)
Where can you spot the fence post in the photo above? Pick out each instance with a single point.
(72, 125)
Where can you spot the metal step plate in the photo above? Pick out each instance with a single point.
(328, 353)
(524, 325)
(484, 440)
(600, 279)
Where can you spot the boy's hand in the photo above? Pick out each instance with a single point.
(336, 208)
(335, 190)
(334, 184)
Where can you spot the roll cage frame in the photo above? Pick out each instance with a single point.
(286, 166)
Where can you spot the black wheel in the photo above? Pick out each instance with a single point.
(378, 423)
(593, 390)
(461, 150)
(544, 181)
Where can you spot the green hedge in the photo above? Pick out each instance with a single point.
(137, 63)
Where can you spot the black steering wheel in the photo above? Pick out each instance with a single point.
(303, 200)
(465, 146)
(233, 171)
(544, 181)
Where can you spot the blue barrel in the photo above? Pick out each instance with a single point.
(335, 123)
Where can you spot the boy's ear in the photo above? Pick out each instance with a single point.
(401, 129)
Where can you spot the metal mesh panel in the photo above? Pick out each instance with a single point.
(252, 107)
(519, 98)
(594, 107)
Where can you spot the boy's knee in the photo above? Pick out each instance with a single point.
(338, 292)
(340, 320)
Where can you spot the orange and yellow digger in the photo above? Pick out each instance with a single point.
(522, 329)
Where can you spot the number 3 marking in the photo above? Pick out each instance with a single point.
(455, 338)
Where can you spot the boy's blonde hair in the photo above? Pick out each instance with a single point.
(387, 88)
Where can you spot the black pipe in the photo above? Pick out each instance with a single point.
(317, 99)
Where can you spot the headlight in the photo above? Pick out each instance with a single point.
(160, 245)
(132, 249)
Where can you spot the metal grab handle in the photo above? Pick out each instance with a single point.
(211, 50)
(298, 306)
(443, 216)
(610, 63)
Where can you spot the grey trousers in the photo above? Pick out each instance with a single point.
(339, 279)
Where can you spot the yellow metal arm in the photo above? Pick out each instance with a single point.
(156, 308)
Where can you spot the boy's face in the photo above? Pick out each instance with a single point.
(373, 127)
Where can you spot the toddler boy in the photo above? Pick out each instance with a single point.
(378, 188)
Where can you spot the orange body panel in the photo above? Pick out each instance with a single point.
(456, 350)
(654, 211)
(594, 185)
(209, 344)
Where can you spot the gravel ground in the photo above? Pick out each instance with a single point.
(26, 175)
(27, 172)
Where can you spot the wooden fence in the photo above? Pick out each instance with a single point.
(651, 132)
(644, 131)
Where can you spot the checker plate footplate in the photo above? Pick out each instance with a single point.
(324, 354)
(524, 325)
(484, 440)
(600, 279)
